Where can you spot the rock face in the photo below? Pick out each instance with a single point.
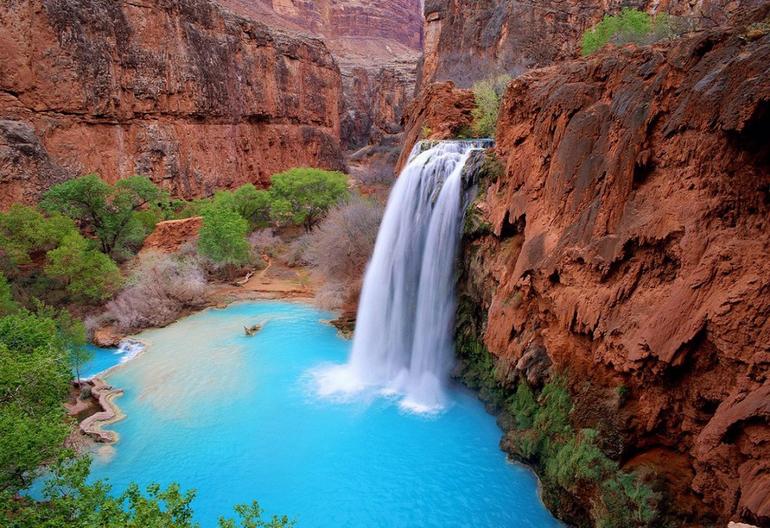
(441, 111)
(377, 45)
(194, 97)
(470, 40)
(171, 235)
(630, 231)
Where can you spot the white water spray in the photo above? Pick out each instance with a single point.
(403, 337)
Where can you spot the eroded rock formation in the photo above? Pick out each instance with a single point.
(470, 40)
(377, 45)
(441, 111)
(194, 97)
(629, 249)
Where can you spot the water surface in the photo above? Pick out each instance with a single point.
(238, 419)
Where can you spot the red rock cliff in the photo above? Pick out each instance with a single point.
(631, 234)
(377, 45)
(178, 90)
(468, 40)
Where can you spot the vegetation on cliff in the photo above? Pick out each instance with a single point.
(630, 25)
(580, 482)
(487, 94)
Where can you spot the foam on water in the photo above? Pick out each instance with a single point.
(403, 339)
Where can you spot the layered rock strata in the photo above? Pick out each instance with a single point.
(181, 91)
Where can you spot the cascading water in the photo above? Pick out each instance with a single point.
(403, 337)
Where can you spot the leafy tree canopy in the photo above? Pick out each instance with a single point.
(25, 232)
(86, 274)
(110, 212)
(303, 195)
(222, 237)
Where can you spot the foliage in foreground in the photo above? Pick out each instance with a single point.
(487, 94)
(631, 25)
(35, 351)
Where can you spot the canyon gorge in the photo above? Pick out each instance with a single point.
(618, 233)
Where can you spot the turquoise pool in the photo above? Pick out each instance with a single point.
(238, 418)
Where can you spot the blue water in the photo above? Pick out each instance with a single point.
(101, 359)
(237, 418)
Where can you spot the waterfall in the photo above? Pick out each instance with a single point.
(404, 329)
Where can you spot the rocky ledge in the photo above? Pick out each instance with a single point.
(621, 242)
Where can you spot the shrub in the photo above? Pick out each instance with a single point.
(631, 25)
(24, 232)
(86, 274)
(487, 94)
(111, 212)
(222, 237)
(523, 406)
(265, 242)
(7, 304)
(302, 196)
(158, 291)
(343, 242)
(295, 252)
(627, 501)
(340, 247)
(579, 462)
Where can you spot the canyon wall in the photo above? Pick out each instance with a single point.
(627, 249)
(468, 40)
(194, 97)
(377, 45)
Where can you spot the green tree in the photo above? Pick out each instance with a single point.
(86, 274)
(253, 204)
(111, 212)
(34, 379)
(222, 237)
(7, 304)
(25, 232)
(302, 196)
(487, 94)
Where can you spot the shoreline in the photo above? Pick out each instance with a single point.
(219, 297)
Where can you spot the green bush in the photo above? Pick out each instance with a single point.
(487, 94)
(627, 501)
(222, 237)
(87, 274)
(302, 196)
(523, 406)
(25, 232)
(117, 214)
(579, 462)
(631, 25)
(253, 204)
(7, 304)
